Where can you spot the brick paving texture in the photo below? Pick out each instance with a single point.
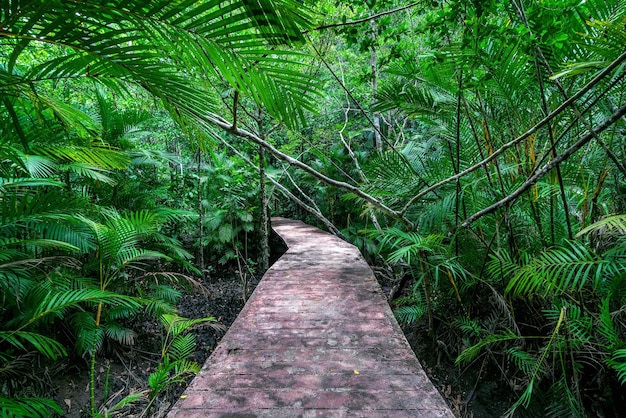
(316, 339)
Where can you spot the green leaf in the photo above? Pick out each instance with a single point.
(226, 233)
(28, 407)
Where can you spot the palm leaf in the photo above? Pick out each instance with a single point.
(618, 363)
(106, 44)
(615, 223)
(561, 269)
(472, 352)
(29, 407)
(182, 347)
(25, 341)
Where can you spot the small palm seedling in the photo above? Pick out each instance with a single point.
(429, 263)
(120, 243)
(177, 347)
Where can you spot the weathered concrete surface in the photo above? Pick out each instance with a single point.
(316, 339)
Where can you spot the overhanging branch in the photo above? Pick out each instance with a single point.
(546, 168)
(222, 123)
(520, 138)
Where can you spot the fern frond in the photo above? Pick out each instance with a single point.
(616, 223)
(55, 303)
(119, 333)
(24, 340)
(618, 363)
(606, 325)
(182, 347)
(563, 401)
(524, 361)
(410, 314)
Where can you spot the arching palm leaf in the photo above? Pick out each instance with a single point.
(107, 41)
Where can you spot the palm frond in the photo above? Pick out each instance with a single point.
(182, 347)
(26, 341)
(29, 407)
(472, 352)
(230, 41)
(119, 333)
(559, 269)
(410, 314)
(524, 361)
(618, 363)
(615, 223)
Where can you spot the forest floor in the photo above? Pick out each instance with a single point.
(125, 370)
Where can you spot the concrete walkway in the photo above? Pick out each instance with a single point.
(316, 339)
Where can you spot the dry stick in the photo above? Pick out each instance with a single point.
(365, 19)
(546, 168)
(367, 117)
(355, 160)
(519, 139)
(304, 195)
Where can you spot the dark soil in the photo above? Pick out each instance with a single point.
(126, 370)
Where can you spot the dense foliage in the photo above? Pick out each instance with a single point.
(476, 148)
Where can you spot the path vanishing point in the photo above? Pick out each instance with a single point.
(316, 339)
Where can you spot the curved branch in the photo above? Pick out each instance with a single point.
(366, 19)
(313, 211)
(546, 168)
(228, 127)
(519, 139)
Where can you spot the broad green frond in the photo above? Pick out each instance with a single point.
(56, 303)
(182, 347)
(616, 223)
(229, 40)
(567, 268)
(410, 314)
(26, 341)
(618, 363)
(472, 352)
(29, 407)
(524, 361)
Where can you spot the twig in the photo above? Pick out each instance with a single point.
(365, 19)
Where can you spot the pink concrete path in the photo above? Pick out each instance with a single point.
(316, 339)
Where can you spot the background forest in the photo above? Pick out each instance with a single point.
(473, 150)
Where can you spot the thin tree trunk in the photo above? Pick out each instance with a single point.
(559, 177)
(200, 212)
(355, 160)
(378, 143)
(265, 235)
(265, 248)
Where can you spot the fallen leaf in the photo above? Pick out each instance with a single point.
(68, 402)
(356, 372)
(183, 396)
